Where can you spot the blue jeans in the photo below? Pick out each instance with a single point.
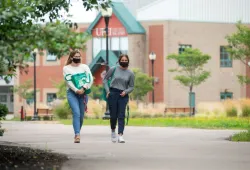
(77, 106)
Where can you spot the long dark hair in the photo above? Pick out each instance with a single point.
(123, 55)
(71, 55)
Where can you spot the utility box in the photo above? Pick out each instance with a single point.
(192, 99)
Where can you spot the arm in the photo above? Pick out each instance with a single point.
(69, 83)
(106, 78)
(130, 84)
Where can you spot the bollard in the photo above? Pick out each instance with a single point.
(22, 114)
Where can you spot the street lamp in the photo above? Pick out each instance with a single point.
(35, 112)
(106, 13)
(152, 57)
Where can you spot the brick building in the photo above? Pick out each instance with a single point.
(170, 30)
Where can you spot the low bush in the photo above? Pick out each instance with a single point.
(46, 118)
(97, 112)
(63, 110)
(3, 111)
(246, 111)
(241, 137)
(28, 118)
(231, 112)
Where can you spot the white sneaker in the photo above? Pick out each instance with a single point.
(113, 137)
(121, 139)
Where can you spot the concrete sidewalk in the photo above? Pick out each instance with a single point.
(146, 148)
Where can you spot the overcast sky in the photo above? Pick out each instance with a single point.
(79, 13)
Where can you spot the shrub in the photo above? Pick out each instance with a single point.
(28, 118)
(97, 112)
(3, 111)
(39, 117)
(46, 118)
(246, 111)
(158, 115)
(135, 115)
(63, 110)
(96, 92)
(231, 112)
(146, 116)
(1, 130)
(241, 136)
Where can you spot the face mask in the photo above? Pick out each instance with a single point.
(76, 60)
(124, 64)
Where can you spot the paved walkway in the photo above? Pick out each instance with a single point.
(145, 148)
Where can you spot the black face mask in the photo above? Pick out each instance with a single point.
(76, 60)
(123, 64)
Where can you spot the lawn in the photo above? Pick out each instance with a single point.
(203, 123)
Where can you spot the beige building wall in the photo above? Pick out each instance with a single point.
(89, 51)
(136, 51)
(208, 37)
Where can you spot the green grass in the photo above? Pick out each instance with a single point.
(204, 123)
(241, 137)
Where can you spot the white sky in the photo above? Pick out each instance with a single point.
(79, 13)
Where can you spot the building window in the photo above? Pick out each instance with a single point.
(119, 45)
(103, 47)
(12, 98)
(3, 98)
(225, 60)
(97, 46)
(115, 43)
(50, 56)
(226, 95)
(51, 97)
(182, 47)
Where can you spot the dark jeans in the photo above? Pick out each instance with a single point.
(117, 108)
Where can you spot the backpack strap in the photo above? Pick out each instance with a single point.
(127, 114)
(113, 73)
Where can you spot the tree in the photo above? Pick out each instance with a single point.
(239, 43)
(96, 92)
(191, 63)
(62, 88)
(143, 85)
(20, 32)
(24, 91)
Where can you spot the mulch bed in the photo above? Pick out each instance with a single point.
(25, 158)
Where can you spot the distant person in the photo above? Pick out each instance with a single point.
(79, 80)
(122, 83)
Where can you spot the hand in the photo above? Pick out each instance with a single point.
(123, 94)
(107, 95)
(85, 86)
(81, 91)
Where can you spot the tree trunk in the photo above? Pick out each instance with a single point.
(190, 91)
(191, 88)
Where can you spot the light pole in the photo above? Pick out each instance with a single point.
(152, 57)
(35, 112)
(106, 13)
